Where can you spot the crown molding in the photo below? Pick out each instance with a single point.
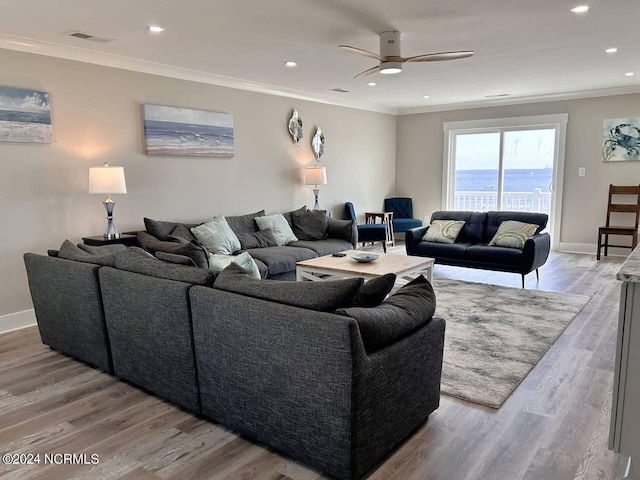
(551, 97)
(28, 45)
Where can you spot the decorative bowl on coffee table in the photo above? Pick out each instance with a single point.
(365, 257)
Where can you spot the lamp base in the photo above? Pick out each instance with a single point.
(111, 233)
(316, 192)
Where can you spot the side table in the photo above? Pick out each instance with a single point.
(99, 240)
(387, 219)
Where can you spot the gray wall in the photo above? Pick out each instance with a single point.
(96, 113)
(419, 154)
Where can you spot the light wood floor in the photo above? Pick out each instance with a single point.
(554, 427)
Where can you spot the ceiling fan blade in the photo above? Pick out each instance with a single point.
(438, 57)
(369, 71)
(359, 51)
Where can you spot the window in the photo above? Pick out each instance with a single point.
(510, 164)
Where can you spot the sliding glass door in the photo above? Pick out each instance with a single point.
(504, 167)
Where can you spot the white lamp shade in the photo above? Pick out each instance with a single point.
(107, 180)
(316, 176)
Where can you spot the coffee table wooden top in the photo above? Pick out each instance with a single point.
(387, 263)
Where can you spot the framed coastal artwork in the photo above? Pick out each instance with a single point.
(621, 139)
(25, 116)
(186, 132)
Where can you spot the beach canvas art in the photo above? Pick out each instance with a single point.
(621, 139)
(24, 116)
(186, 132)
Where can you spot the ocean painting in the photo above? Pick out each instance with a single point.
(186, 132)
(24, 116)
(621, 139)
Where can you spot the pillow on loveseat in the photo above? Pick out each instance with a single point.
(513, 234)
(217, 237)
(279, 227)
(410, 307)
(444, 231)
(325, 296)
(161, 230)
(189, 249)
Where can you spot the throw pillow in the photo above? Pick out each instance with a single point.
(244, 223)
(195, 252)
(373, 292)
(217, 237)
(513, 234)
(260, 239)
(444, 231)
(104, 255)
(278, 226)
(323, 296)
(217, 263)
(409, 308)
(161, 230)
(181, 234)
(174, 258)
(138, 261)
(287, 215)
(310, 224)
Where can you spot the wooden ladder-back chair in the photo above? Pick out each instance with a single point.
(612, 207)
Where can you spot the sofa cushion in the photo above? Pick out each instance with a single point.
(444, 231)
(181, 234)
(174, 258)
(495, 219)
(513, 234)
(474, 224)
(99, 255)
(491, 254)
(324, 247)
(444, 250)
(218, 263)
(279, 227)
(262, 268)
(161, 230)
(281, 259)
(244, 223)
(262, 239)
(373, 292)
(321, 296)
(410, 307)
(216, 236)
(287, 215)
(310, 224)
(190, 249)
(137, 260)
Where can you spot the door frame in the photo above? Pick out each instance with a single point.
(557, 122)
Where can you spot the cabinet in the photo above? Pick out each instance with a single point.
(624, 434)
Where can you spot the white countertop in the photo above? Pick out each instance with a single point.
(630, 269)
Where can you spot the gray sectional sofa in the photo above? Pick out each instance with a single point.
(326, 386)
(277, 262)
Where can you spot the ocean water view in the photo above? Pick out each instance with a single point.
(515, 180)
(171, 138)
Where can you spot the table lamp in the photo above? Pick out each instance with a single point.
(108, 180)
(316, 176)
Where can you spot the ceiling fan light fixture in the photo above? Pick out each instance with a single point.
(390, 68)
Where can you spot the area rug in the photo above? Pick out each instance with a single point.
(496, 335)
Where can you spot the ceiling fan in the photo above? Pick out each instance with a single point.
(390, 59)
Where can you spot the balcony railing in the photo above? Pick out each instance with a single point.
(536, 201)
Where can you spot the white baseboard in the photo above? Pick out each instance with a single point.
(17, 320)
(590, 249)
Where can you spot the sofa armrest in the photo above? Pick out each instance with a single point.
(344, 230)
(536, 250)
(412, 237)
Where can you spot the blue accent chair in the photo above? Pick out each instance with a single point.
(368, 232)
(402, 208)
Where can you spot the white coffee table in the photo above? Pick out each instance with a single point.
(327, 267)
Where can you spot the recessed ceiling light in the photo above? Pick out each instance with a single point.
(612, 50)
(629, 74)
(291, 64)
(155, 28)
(372, 84)
(426, 96)
(580, 9)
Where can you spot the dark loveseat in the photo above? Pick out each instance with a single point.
(277, 262)
(304, 381)
(472, 249)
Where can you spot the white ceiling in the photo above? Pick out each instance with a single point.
(531, 50)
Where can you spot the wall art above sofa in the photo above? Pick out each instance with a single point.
(25, 116)
(188, 133)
